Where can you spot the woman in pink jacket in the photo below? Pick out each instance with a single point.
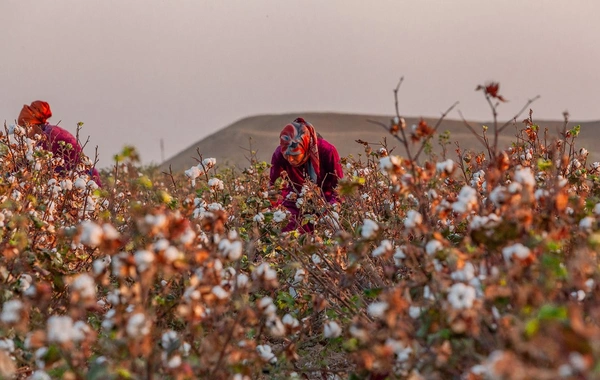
(304, 155)
(57, 140)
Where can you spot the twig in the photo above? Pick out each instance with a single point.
(435, 128)
(519, 113)
(170, 174)
(473, 131)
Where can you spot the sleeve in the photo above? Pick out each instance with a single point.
(333, 172)
(275, 166)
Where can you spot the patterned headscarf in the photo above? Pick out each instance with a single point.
(36, 113)
(300, 137)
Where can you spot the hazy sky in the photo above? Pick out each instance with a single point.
(136, 71)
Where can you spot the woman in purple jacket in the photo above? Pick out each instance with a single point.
(57, 140)
(304, 155)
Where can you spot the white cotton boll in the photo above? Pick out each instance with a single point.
(467, 273)
(7, 345)
(187, 237)
(259, 218)
(209, 162)
(414, 312)
(193, 173)
(402, 351)
(445, 166)
(525, 177)
(219, 292)
(110, 232)
(174, 362)
(39, 374)
(377, 309)
(384, 247)
(279, 216)
(331, 330)
(388, 163)
(578, 361)
(562, 181)
(399, 255)
(299, 275)
(215, 184)
(316, 259)
(80, 184)
(264, 271)
(290, 322)
(267, 306)
(266, 353)
(143, 259)
(85, 286)
(541, 194)
(433, 246)
(231, 250)
(242, 280)
(11, 311)
(137, 326)
(579, 295)
(586, 223)
(461, 296)
(488, 221)
(369, 229)
(66, 185)
(79, 331)
(16, 195)
(171, 254)
(589, 283)
(427, 294)
(413, 219)
(25, 281)
(59, 329)
(467, 199)
(498, 195)
(518, 250)
(276, 328)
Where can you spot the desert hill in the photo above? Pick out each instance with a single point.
(231, 145)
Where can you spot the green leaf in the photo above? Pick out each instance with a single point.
(551, 312)
(373, 292)
(532, 327)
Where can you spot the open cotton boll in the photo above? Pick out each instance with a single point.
(369, 229)
(143, 259)
(445, 166)
(91, 234)
(331, 330)
(461, 296)
(266, 353)
(518, 250)
(525, 177)
(413, 219)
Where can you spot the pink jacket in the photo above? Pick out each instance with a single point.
(58, 141)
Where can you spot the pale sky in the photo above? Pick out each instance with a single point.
(136, 71)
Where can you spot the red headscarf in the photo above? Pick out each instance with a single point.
(300, 137)
(36, 113)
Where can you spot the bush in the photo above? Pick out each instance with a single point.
(484, 266)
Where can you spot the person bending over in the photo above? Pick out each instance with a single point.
(304, 156)
(59, 141)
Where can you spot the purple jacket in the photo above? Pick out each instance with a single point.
(57, 140)
(330, 171)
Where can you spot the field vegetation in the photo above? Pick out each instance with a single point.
(438, 264)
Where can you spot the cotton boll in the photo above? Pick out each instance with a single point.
(331, 330)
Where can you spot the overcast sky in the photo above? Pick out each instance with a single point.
(136, 71)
